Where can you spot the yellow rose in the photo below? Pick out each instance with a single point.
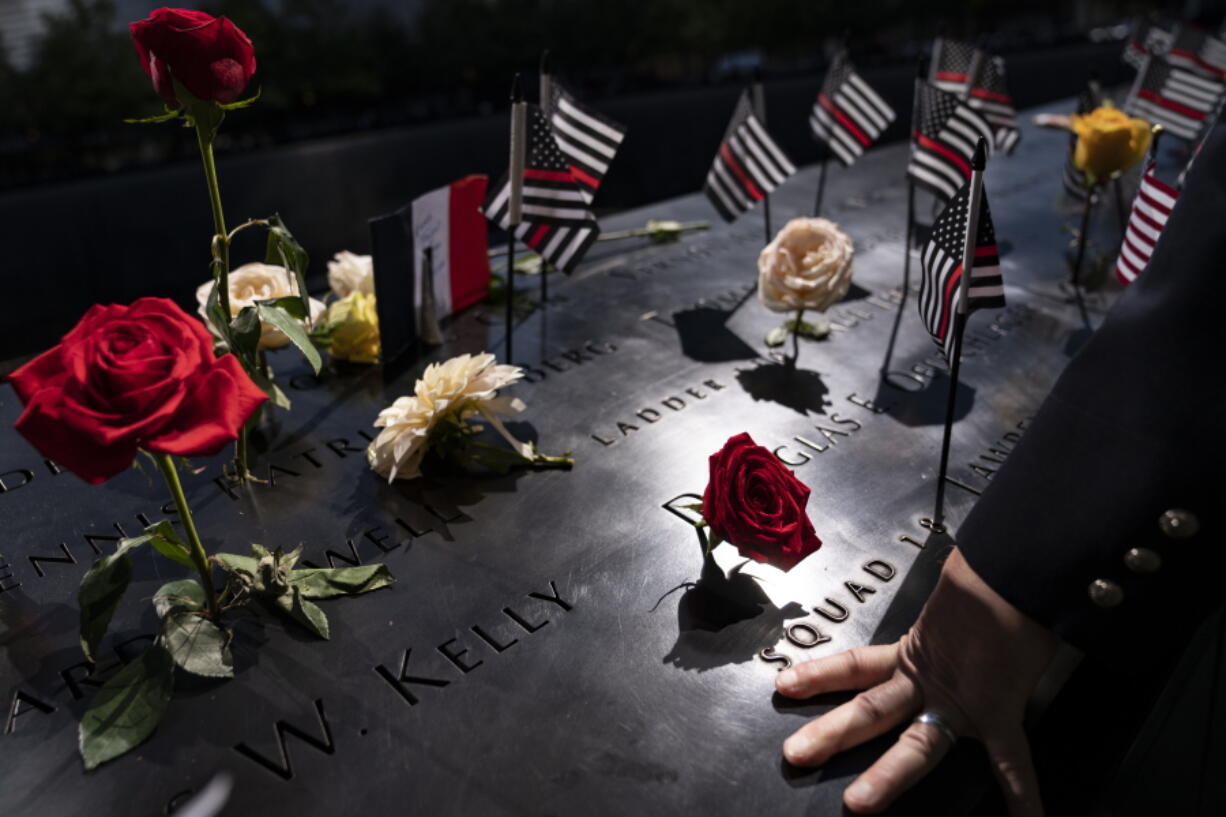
(351, 328)
(1108, 141)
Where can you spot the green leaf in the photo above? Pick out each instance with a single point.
(184, 594)
(291, 304)
(245, 334)
(217, 317)
(205, 115)
(327, 583)
(813, 331)
(166, 116)
(293, 329)
(197, 644)
(101, 589)
(126, 710)
(166, 542)
(777, 336)
(306, 613)
(242, 103)
(285, 250)
(237, 564)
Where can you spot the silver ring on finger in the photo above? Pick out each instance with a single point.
(936, 720)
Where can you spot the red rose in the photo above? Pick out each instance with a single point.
(757, 504)
(210, 56)
(128, 377)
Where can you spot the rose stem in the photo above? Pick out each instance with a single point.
(800, 315)
(1081, 236)
(199, 557)
(221, 252)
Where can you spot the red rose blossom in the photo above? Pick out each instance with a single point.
(210, 56)
(129, 377)
(757, 504)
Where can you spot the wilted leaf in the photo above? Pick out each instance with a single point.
(327, 583)
(306, 613)
(284, 250)
(127, 708)
(777, 336)
(197, 644)
(184, 594)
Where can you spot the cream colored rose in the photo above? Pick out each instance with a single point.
(351, 273)
(464, 386)
(259, 282)
(807, 266)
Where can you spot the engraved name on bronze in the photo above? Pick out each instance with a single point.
(653, 413)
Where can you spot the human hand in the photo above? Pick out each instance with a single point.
(971, 657)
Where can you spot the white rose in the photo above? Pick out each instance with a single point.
(259, 282)
(466, 385)
(807, 266)
(349, 273)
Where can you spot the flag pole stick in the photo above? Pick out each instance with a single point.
(968, 259)
(821, 182)
(920, 71)
(759, 111)
(545, 88)
(515, 198)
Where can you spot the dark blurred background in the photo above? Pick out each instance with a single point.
(366, 104)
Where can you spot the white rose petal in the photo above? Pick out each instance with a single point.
(258, 282)
(807, 266)
(348, 272)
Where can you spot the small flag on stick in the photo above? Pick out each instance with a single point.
(1173, 97)
(941, 301)
(1150, 210)
(943, 140)
(950, 69)
(748, 165)
(557, 221)
(588, 140)
(962, 237)
(848, 115)
(990, 96)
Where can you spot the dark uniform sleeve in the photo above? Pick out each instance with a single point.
(1105, 522)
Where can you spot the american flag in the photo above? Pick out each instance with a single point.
(556, 220)
(1199, 51)
(951, 65)
(946, 130)
(1150, 210)
(1173, 97)
(588, 139)
(941, 261)
(848, 115)
(1146, 39)
(1214, 120)
(1074, 180)
(990, 96)
(747, 166)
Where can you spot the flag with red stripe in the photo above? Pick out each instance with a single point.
(1150, 210)
(944, 139)
(1173, 97)
(588, 139)
(1198, 51)
(941, 261)
(1145, 39)
(989, 95)
(951, 65)
(848, 115)
(748, 165)
(557, 221)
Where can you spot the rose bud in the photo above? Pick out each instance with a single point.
(209, 56)
(1108, 141)
(807, 266)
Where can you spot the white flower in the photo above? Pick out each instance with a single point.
(351, 273)
(807, 266)
(259, 282)
(463, 386)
